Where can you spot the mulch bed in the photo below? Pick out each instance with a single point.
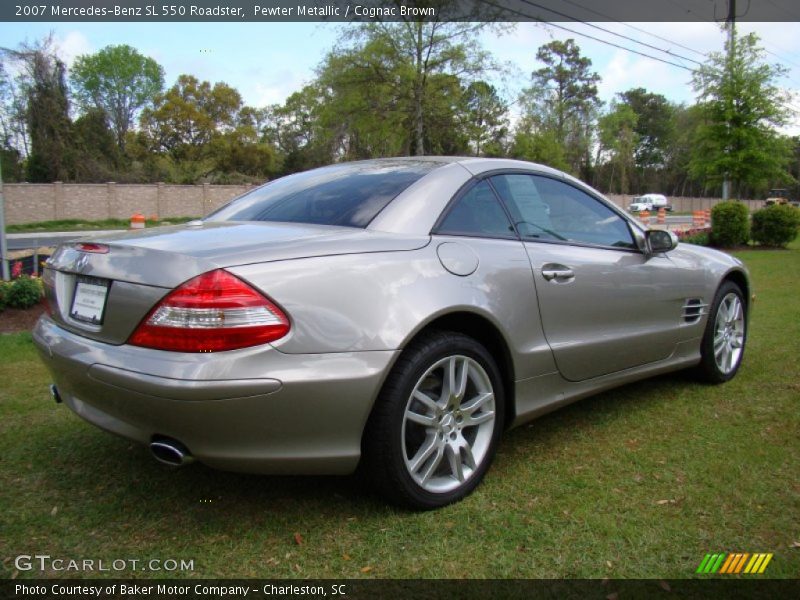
(13, 320)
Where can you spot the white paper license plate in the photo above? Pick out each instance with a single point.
(89, 302)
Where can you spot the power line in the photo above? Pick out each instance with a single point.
(591, 37)
(783, 58)
(634, 27)
(602, 41)
(625, 37)
(767, 50)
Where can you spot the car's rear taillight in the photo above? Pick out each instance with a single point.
(214, 311)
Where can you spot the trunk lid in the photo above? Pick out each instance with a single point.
(141, 267)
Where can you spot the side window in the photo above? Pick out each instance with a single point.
(478, 213)
(547, 209)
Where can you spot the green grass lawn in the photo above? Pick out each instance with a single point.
(642, 481)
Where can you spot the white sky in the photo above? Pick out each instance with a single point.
(266, 62)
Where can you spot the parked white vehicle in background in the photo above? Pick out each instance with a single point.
(649, 202)
(637, 207)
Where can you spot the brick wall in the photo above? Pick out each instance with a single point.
(28, 202)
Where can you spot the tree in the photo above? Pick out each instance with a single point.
(96, 151)
(742, 108)
(295, 129)
(13, 115)
(11, 164)
(242, 151)
(445, 133)
(794, 170)
(538, 145)
(362, 109)
(203, 132)
(43, 86)
(655, 126)
(563, 101)
(413, 53)
(187, 116)
(9, 155)
(119, 81)
(36, 129)
(619, 138)
(483, 115)
(677, 178)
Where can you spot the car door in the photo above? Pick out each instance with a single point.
(602, 302)
(475, 239)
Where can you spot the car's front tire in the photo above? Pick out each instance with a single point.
(437, 422)
(722, 347)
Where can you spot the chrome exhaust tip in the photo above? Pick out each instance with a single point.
(54, 393)
(172, 453)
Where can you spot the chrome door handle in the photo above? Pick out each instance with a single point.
(550, 274)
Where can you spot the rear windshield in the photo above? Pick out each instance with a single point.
(349, 194)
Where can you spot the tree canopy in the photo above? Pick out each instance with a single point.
(41, 112)
(389, 89)
(618, 137)
(415, 59)
(119, 81)
(742, 107)
(561, 104)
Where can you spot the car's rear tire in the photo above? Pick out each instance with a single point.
(722, 347)
(435, 426)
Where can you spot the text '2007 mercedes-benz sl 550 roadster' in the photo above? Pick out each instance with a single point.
(394, 315)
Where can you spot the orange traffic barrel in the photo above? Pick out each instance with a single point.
(644, 217)
(137, 221)
(698, 218)
(662, 216)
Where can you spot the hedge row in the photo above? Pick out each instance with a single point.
(773, 226)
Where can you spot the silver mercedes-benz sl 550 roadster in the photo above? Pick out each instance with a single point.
(394, 315)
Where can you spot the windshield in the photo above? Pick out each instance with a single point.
(349, 194)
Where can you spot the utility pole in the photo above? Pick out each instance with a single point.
(3, 247)
(731, 24)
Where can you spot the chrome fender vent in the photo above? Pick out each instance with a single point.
(693, 309)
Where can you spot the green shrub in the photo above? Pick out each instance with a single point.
(24, 293)
(730, 224)
(5, 287)
(698, 239)
(775, 225)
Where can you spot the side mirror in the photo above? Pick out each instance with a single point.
(659, 240)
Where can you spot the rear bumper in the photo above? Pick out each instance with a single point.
(253, 410)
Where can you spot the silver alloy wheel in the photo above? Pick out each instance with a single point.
(729, 333)
(448, 424)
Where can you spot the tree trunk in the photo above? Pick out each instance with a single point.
(418, 123)
(418, 90)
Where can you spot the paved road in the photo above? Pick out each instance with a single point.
(23, 241)
(679, 219)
